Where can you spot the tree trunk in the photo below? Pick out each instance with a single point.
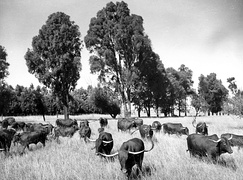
(139, 112)
(44, 117)
(185, 108)
(65, 109)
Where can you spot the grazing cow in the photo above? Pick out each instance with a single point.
(85, 132)
(18, 126)
(27, 138)
(125, 124)
(103, 122)
(203, 146)
(64, 132)
(41, 127)
(131, 153)
(175, 128)
(84, 123)
(7, 122)
(138, 122)
(104, 143)
(202, 128)
(146, 131)
(237, 140)
(66, 122)
(6, 137)
(156, 125)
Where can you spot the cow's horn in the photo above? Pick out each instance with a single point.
(92, 140)
(107, 142)
(108, 155)
(230, 137)
(200, 125)
(135, 153)
(153, 128)
(215, 141)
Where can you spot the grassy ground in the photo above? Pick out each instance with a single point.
(73, 159)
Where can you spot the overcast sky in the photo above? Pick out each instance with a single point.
(205, 35)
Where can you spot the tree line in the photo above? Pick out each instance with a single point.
(128, 69)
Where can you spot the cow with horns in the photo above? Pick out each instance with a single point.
(201, 127)
(236, 140)
(131, 152)
(145, 131)
(204, 146)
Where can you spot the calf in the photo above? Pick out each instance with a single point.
(202, 128)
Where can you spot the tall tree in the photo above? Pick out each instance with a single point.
(115, 39)
(55, 57)
(186, 82)
(213, 91)
(3, 63)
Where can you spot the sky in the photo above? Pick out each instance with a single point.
(205, 35)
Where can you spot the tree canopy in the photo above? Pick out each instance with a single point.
(116, 40)
(3, 63)
(55, 56)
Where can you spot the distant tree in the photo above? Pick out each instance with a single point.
(5, 98)
(116, 39)
(55, 57)
(3, 63)
(232, 85)
(213, 91)
(186, 82)
(106, 101)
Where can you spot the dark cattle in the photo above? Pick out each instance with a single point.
(103, 122)
(8, 121)
(203, 146)
(64, 132)
(138, 122)
(104, 143)
(84, 123)
(18, 126)
(6, 136)
(130, 153)
(156, 126)
(124, 124)
(66, 122)
(202, 128)
(40, 127)
(27, 138)
(146, 131)
(175, 128)
(85, 132)
(237, 140)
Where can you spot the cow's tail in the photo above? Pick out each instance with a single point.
(151, 147)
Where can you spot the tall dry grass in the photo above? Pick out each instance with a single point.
(73, 159)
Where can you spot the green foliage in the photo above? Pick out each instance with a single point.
(3, 63)
(55, 57)
(105, 100)
(5, 98)
(213, 91)
(116, 40)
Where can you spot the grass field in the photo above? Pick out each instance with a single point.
(73, 159)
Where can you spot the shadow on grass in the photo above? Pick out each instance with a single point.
(228, 163)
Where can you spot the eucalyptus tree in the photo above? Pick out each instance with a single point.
(55, 56)
(115, 39)
(213, 91)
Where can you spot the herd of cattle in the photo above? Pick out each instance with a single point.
(131, 152)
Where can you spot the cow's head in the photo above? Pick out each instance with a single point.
(84, 131)
(185, 130)
(16, 138)
(224, 145)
